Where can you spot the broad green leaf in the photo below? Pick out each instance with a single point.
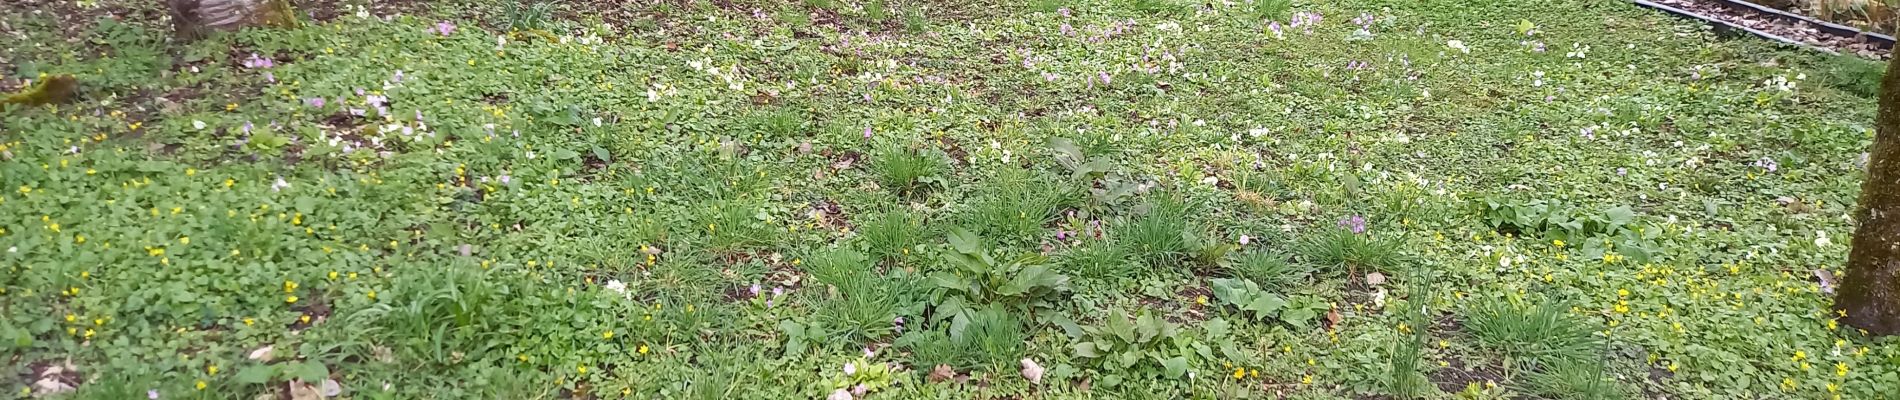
(256, 374)
(1085, 350)
(965, 242)
(1175, 367)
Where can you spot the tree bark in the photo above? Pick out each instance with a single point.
(1870, 293)
(196, 18)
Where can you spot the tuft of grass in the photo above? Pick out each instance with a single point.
(1573, 380)
(1097, 259)
(991, 341)
(1271, 9)
(888, 235)
(1540, 333)
(1159, 236)
(437, 317)
(1268, 268)
(904, 169)
(864, 303)
(782, 123)
(528, 15)
(1853, 74)
(1016, 206)
(1342, 249)
(735, 224)
(914, 20)
(1405, 376)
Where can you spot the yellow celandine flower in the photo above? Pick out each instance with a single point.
(290, 299)
(371, 295)
(607, 335)
(583, 368)
(1201, 300)
(1306, 380)
(1799, 355)
(211, 369)
(289, 286)
(1240, 373)
(72, 318)
(249, 321)
(201, 385)
(1840, 368)
(643, 349)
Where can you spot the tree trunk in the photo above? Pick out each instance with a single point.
(196, 18)
(1870, 293)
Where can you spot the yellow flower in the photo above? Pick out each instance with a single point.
(1201, 300)
(581, 369)
(1840, 368)
(1800, 355)
(1622, 293)
(191, 171)
(607, 335)
(249, 321)
(371, 295)
(1240, 373)
(1306, 380)
(211, 369)
(643, 349)
(201, 385)
(290, 299)
(184, 240)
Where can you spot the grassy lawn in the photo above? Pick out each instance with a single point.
(896, 199)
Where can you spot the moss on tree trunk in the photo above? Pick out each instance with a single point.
(196, 18)
(1870, 293)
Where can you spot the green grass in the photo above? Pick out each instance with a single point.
(583, 207)
(1542, 332)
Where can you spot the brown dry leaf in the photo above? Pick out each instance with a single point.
(1332, 318)
(941, 373)
(303, 391)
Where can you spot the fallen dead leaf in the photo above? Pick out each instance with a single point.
(941, 373)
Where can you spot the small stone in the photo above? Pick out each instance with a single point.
(1375, 279)
(1032, 371)
(331, 388)
(263, 354)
